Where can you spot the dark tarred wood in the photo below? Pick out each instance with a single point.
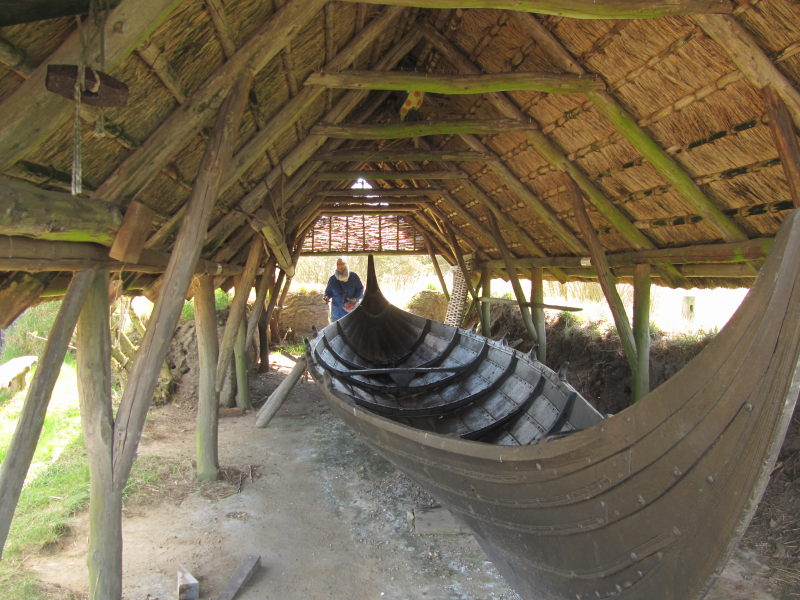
(107, 92)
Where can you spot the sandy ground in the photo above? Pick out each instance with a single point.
(327, 517)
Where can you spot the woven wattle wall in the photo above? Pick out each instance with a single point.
(369, 233)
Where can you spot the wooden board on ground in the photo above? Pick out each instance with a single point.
(435, 521)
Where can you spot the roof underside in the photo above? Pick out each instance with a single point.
(706, 170)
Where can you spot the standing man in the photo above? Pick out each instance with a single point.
(344, 290)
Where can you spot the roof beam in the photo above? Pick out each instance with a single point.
(414, 129)
(22, 127)
(133, 174)
(578, 9)
(551, 83)
(380, 193)
(553, 154)
(780, 124)
(368, 155)
(224, 32)
(387, 175)
(751, 60)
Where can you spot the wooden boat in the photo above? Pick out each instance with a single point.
(647, 504)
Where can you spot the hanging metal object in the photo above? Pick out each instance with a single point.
(100, 88)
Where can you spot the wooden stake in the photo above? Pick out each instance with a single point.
(606, 278)
(104, 553)
(20, 451)
(161, 326)
(641, 330)
(537, 313)
(206, 440)
(780, 124)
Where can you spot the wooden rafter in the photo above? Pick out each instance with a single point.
(388, 175)
(418, 128)
(154, 58)
(377, 156)
(552, 83)
(578, 9)
(227, 39)
(780, 124)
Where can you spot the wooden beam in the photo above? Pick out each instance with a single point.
(552, 83)
(387, 175)
(578, 9)
(751, 60)
(161, 326)
(414, 129)
(641, 330)
(379, 194)
(512, 275)
(224, 32)
(275, 236)
(435, 263)
(18, 291)
(20, 451)
(206, 440)
(135, 172)
(780, 124)
(132, 234)
(264, 283)
(22, 128)
(607, 281)
(30, 211)
(375, 156)
(240, 367)
(486, 307)
(537, 313)
(37, 10)
(153, 56)
(550, 151)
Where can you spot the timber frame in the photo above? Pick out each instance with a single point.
(554, 143)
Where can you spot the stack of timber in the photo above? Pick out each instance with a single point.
(648, 504)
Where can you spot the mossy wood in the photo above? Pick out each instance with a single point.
(552, 83)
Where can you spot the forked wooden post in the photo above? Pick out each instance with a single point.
(262, 289)
(486, 307)
(104, 554)
(206, 445)
(537, 313)
(512, 276)
(641, 330)
(18, 458)
(607, 279)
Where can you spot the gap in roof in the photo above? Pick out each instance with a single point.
(363, 184)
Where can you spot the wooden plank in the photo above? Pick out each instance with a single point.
(247, 568)
(414, 129)
(30, 211)
(278, 397)
(22, 128)
(20, 451)
(577, 9)
(135, 172)
(780, 124)
(139, 391)
(132, 234)
(552, 83)
(436, 520)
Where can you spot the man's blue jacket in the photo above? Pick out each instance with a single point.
(340, 291)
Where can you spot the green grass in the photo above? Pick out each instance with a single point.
(37, 320)
(221, 301)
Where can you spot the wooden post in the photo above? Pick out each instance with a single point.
(264, 284)
(206, 445)
(512, 276)
(263, 344)
(641, 330)
(132, 234)
(237, 308)
(486, 307)
(451, 235)
(537, 313)
(277, 398)
(436, 266)
(104, 553)
(607, 280)
(240, 361)
(782, 128)
(161, 326)
(18, 458)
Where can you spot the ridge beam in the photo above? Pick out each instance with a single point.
(414, 129)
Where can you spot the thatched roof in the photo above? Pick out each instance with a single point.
(700, 168)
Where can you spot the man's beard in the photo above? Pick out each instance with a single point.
(343, 275)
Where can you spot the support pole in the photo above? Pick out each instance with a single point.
(451, 236)
(277, 398)
(782, 128)
(436, 266)
(486, 307)
(641, 330)
(512, 276)
(104, 553)
(262, 289)
(29, 426)
(537, 313)
(607, 280)
(206, 441)
(240, 360)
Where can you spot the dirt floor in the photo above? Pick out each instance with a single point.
(328, 518)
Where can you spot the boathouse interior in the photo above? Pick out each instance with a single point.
(171, 147)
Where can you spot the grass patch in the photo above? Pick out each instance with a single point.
(37, 320)
(221, 301)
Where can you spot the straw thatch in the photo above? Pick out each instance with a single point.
(693, 103)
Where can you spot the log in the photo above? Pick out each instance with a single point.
(641, 330)
(264, 284)
(132, 234)
(578, 9)
(27, 210)
(240, 360)
(552, 83)
(161, 326)
(387, 175)
(206, 437)
(380, 193)
(12, 13)
(780, 124)
(376, 156)
(104, 552)
(278, 397)
(537, 313)
(18, 291)
(247, 568)
(532, 303)
(418, 129)
(486, 307)
(20, 451)
(436, 267)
